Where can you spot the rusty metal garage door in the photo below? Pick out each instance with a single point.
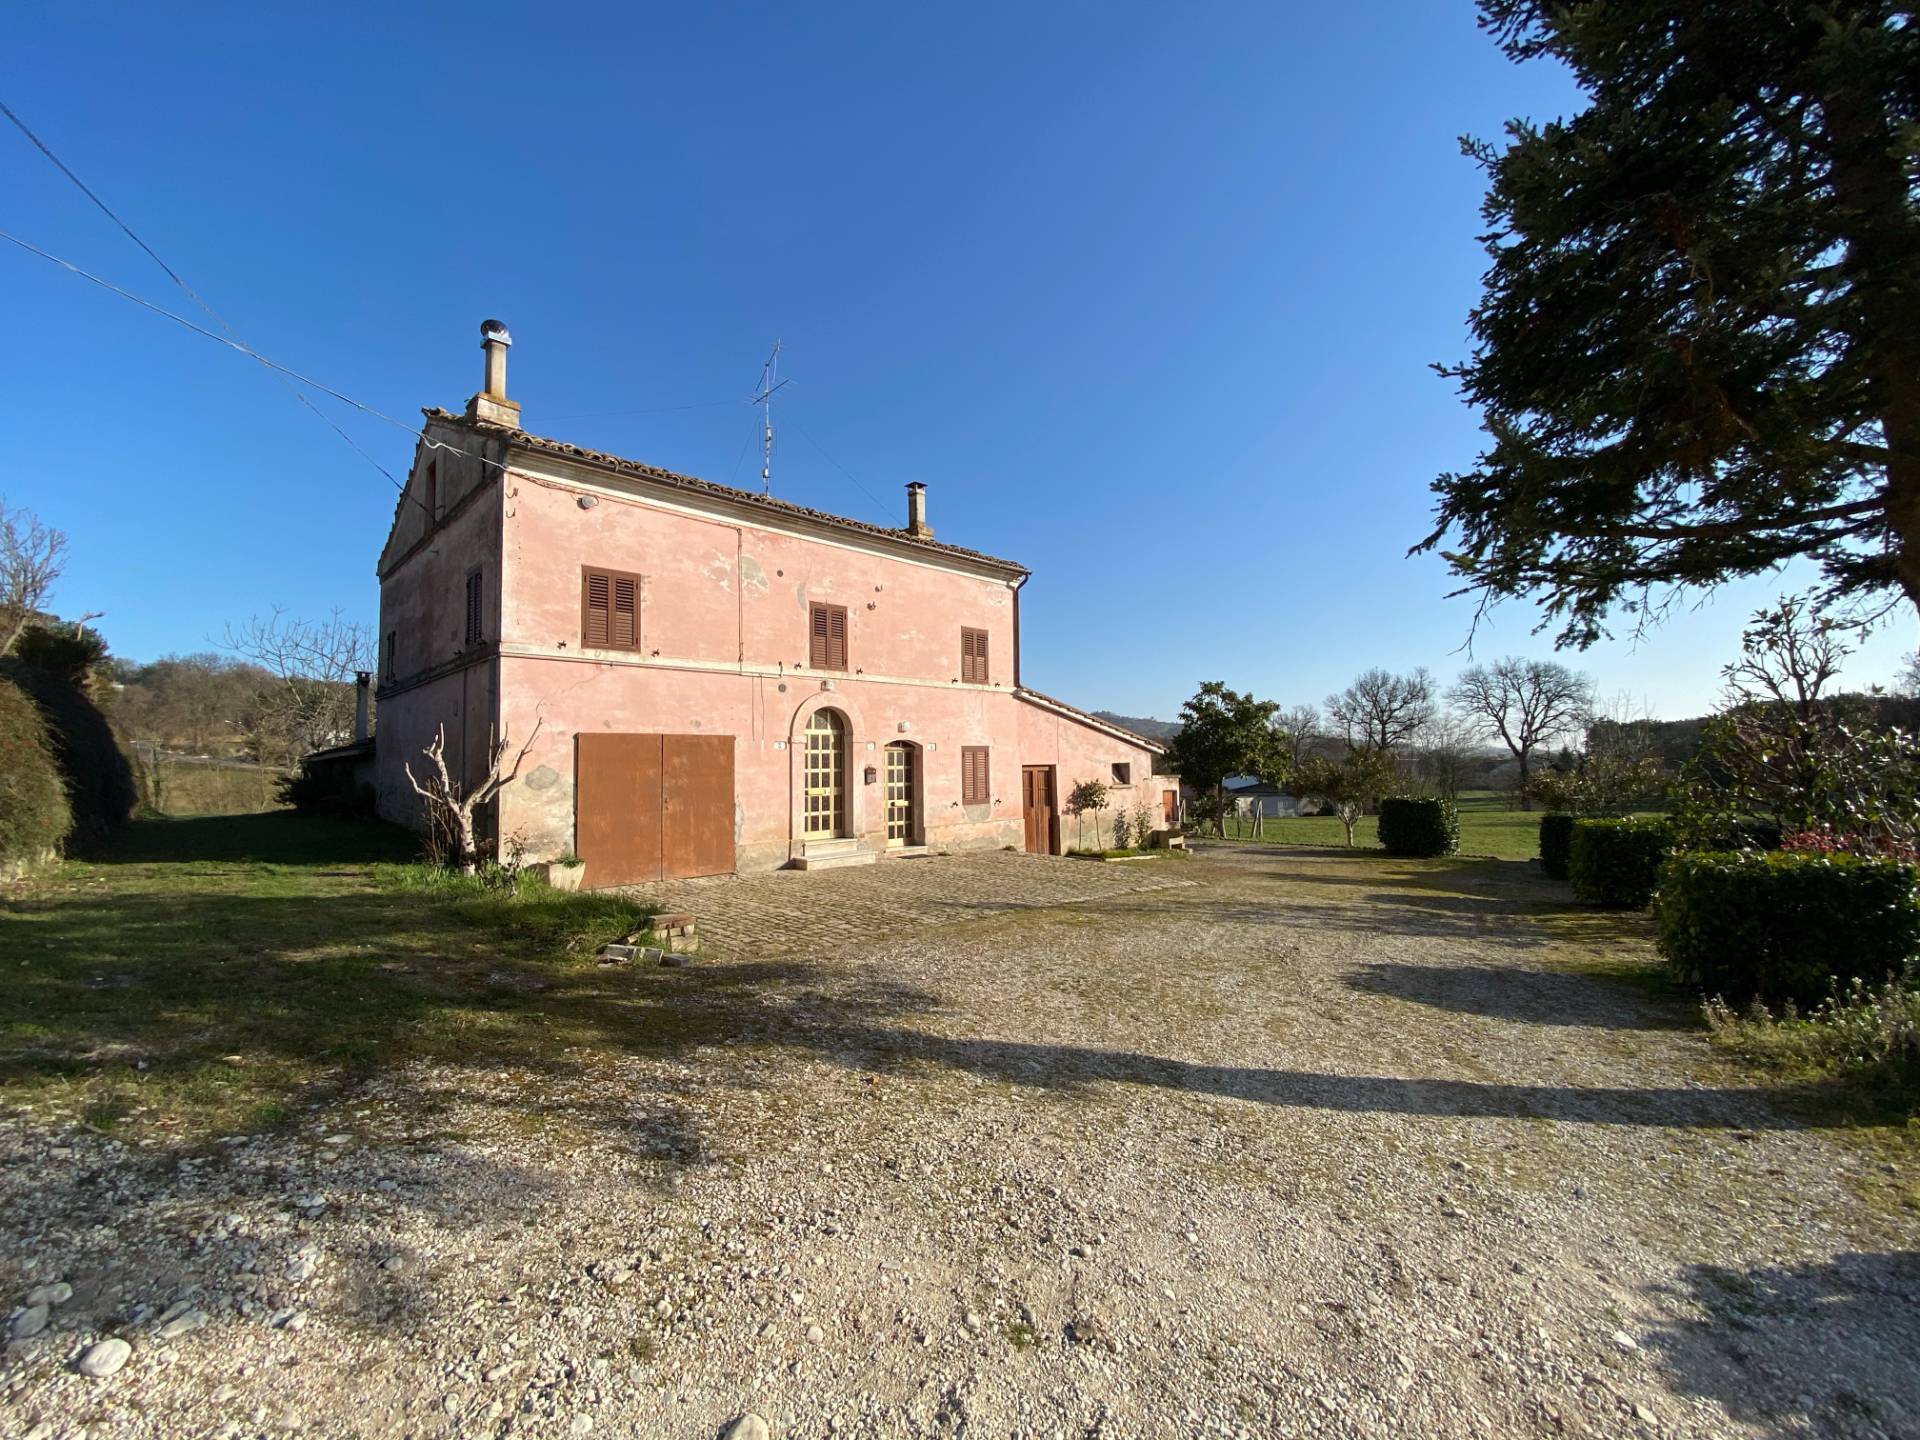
(653, 807)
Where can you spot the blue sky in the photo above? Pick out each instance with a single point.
(1146, 295)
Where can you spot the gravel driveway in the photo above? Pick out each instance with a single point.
(1313, 1145)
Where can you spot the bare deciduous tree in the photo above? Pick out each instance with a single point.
(1524, 704)
(32, 556)
(1446, 750)
(1300, 730)
(309, 705)
(450, 804)
(1380, 712)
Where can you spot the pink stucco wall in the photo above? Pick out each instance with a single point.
(715, 591)
(437, 679)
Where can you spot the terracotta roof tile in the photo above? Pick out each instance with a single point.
(541, 445)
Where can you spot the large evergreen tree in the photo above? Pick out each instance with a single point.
(1698, 350)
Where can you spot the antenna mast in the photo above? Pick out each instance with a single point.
(769, 382)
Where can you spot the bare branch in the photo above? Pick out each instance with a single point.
(32, 555)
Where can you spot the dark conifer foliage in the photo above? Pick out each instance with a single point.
(1698, 347)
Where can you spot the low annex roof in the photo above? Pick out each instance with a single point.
(541, 445)
(1047, 702)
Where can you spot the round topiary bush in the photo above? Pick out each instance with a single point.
(1616, 863)
(1556, 838)
(34, 817)
(1781, 926)
(1417, 827)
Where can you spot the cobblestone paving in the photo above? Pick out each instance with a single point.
(791, 911)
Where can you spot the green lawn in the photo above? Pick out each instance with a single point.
(1487, 827)
(206, 974)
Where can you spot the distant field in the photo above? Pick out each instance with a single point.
(177, 786)
(1487, 827)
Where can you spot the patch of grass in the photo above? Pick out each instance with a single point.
(1127, 853)
(519, 906)
(1867, 1038)
(1487, 828)
(210, 975)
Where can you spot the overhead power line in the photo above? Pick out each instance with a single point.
(246, 350)
(284, 373)
(191, 293)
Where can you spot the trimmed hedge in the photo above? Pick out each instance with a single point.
(1410, 826)
(1616, 863)
(34, 817)
(1781, 926)
(98, 780)
(1556, 838)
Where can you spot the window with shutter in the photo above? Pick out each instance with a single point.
(393, 637)
(973, 656)
(473, 607)
(975, 775)
(626, 614)
(827, 636)
(609, 609)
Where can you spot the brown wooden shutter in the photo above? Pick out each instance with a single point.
(473, 608)
(595, 608)
(817, 637)
(975, 775)
(973, 656)
(827, 637)
(625, 629)
(609, 609)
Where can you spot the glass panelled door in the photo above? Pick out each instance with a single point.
(826, 775)
(900, 790)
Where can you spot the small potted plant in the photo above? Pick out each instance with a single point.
(567, 872)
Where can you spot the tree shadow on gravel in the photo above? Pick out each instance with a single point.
(1067, 1067)
(1826, 1347)
(1536, 997)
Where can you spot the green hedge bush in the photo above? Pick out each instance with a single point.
(1419, 827)
(1616, 863)
(98, 779)
(34, 817)
(1556, 835)
(1779, 926)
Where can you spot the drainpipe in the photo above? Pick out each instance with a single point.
(1016, 628)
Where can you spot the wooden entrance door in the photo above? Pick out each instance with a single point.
(1171, 800)
(1036, 806)
(903, 822)
(825, 816)
(653, 807)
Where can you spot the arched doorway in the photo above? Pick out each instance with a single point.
(825, 816)
(903, 794)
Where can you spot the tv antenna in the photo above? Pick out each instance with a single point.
(769, 382)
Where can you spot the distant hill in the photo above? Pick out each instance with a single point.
(1142, 725)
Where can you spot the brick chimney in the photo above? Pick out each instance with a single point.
(917, 525)
(492, 404)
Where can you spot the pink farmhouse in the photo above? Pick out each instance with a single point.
(713, 680)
